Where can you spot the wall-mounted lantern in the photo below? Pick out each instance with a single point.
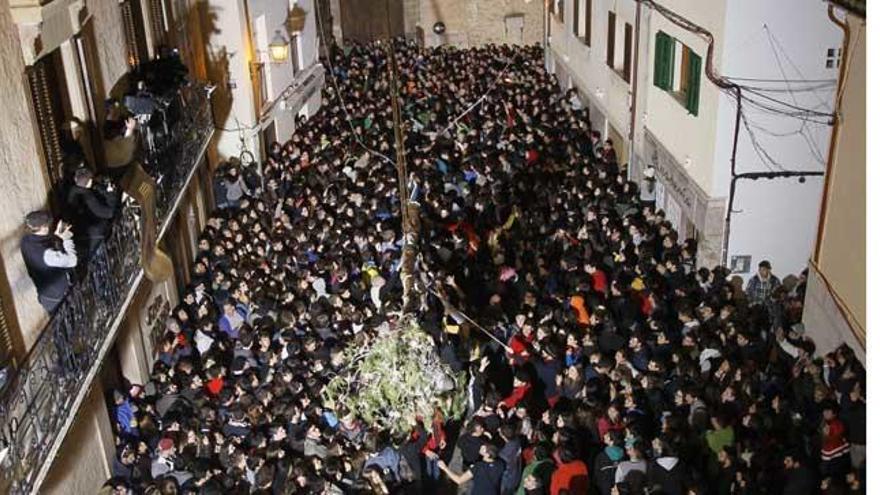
(279, 48)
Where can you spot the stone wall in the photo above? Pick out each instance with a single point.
(475, 23)
(110, 41)
(24, 186)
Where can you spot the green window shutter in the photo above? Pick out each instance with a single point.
(662, 61)
(695, 66)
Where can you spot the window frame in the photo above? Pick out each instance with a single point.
(610, 47)
(680, 77)
(626, 70)
(294, 54)
(582, 21)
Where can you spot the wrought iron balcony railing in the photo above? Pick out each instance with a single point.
(40, 401)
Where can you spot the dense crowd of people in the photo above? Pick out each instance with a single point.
(616, 365)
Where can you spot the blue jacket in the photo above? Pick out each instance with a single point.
(226, 326)
(124, 415)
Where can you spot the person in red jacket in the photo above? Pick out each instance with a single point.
(435, 445)
(600, 280)
(835, 446)
(611, 421)
(571, 475)
(521, 342)
(521, 388)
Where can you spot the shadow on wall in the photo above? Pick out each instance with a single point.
(216, 63)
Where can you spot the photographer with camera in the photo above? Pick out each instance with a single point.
(50, 267)
(92, 207)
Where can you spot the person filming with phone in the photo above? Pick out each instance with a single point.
(49, 265)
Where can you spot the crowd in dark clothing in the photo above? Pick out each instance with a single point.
(625, 368)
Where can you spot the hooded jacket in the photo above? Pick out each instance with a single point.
(668, 475)
(605, 466)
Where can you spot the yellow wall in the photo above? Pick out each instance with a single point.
(842, 258)
(24, 187)
(83, 463)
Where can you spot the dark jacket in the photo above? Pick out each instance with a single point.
(605, 467)
(91, 210)
(50, 281)
(799, 481)
(668, 475)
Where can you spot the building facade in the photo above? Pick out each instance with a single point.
(62, 62)
(835, 307)
(661, 82)
(465, 23)
(262, 95)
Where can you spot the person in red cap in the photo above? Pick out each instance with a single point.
(163, 463)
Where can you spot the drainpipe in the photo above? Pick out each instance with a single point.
(546, 31)
(635, 92)
(835, 131)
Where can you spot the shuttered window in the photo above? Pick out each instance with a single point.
(692, 92)
(627, 51)
(158, 28)
(612, 27)
(686, 89)
(588, 22)
(135, 37)
(44, 82)
(663, 59)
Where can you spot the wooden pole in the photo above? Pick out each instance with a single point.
(408, 211)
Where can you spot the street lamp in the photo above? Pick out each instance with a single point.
(296, 20)
(279, 48)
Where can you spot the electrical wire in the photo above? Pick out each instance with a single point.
(479, 100)
(754, 79)
(775, 41)
(808, 138)
(342, 103)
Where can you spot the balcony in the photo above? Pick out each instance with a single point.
(39, 404)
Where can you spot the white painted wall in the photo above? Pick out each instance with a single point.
(606, 90)
(776, 219)
(271, 15)
(690, 139)
(229, 66)
(266, 16)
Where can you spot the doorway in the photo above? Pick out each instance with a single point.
(368, 20)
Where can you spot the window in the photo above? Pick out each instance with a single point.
(582, 20)
(832, 58)
(560, 10)
(612, 26)
(160, 23)
(263, 83)
(44, 82)
(135, 38)
(294, 54)
(684, 83)
(7, 348)
(627, 52)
